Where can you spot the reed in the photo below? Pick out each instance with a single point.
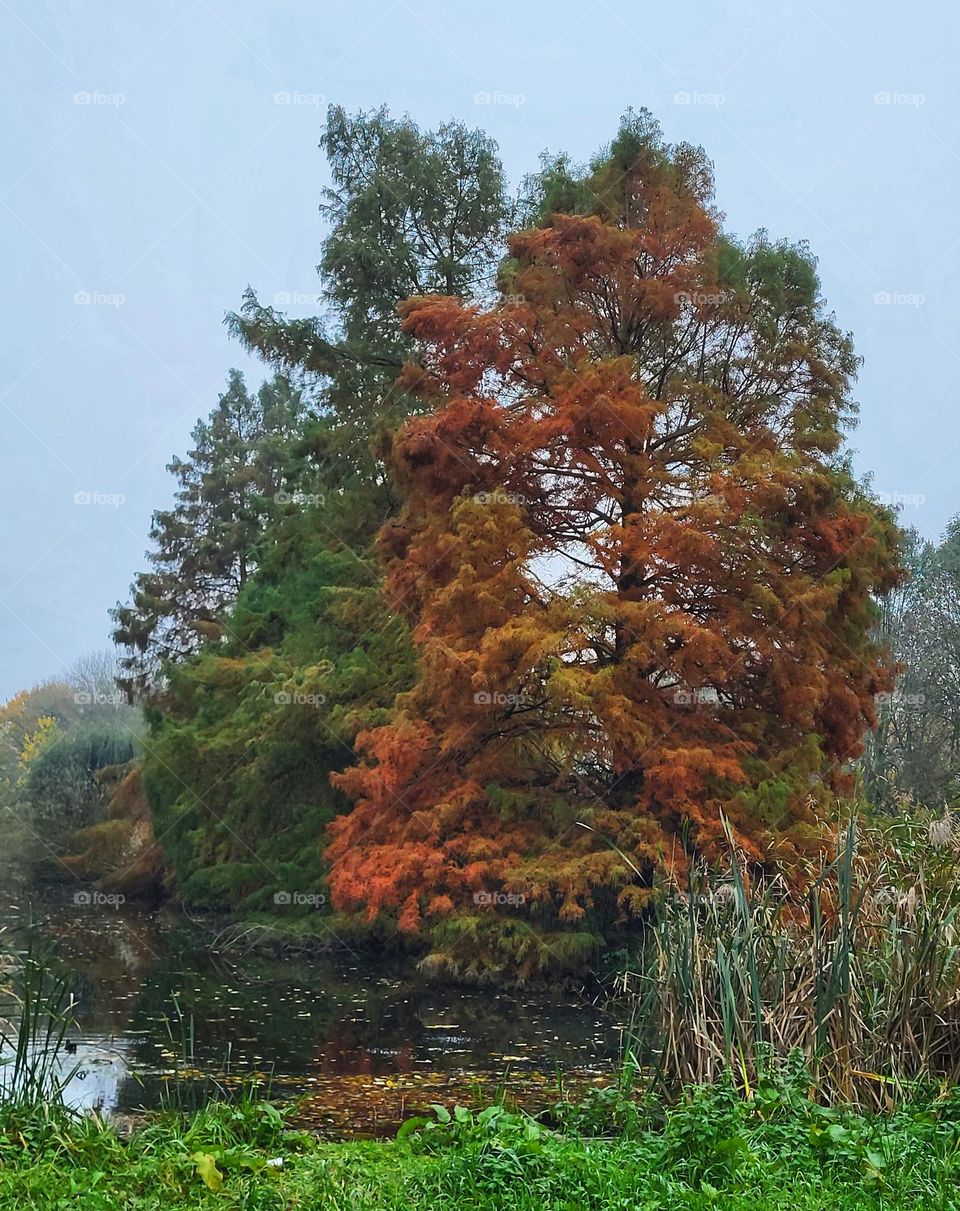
(34, 1070)
(860, 977)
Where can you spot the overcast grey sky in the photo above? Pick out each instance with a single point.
(158, 158)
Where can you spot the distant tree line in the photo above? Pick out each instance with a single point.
(913, 756)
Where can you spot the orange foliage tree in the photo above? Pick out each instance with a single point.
(639, 571)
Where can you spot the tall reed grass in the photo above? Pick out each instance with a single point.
(860, 976)
(34, 1065)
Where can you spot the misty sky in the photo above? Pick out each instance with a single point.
(158, 158)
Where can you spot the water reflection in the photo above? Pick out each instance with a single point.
(154, 997)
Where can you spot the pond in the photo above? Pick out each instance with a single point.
(165, 1015)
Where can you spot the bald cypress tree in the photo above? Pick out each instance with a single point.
(639, 575)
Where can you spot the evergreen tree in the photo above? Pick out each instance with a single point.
(204, 548)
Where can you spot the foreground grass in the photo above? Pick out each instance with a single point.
(776, 1150)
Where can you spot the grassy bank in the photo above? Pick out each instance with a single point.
(713, 1149)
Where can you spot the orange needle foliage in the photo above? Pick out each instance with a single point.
(639, 574)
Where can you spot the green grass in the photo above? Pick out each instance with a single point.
(713, 1149)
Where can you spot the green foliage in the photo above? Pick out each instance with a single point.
(499, 949)
(58, 744)
(237, 766)
(205, 547)
(712, 1149)
(611, 1110)
(61, 783)
(412, 212)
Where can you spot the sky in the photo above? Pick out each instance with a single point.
(159, 158)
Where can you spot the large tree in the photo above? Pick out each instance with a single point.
(638, 570)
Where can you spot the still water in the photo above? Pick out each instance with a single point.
(164, 1014)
